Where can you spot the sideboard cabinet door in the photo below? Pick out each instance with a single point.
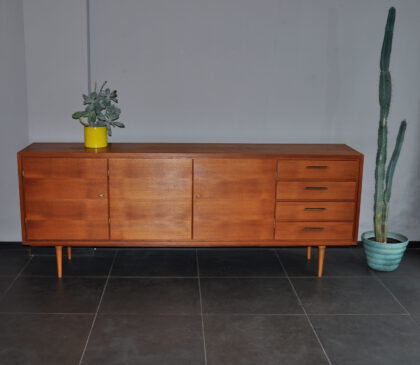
(150, 199)
(65, 198)
(234, 199)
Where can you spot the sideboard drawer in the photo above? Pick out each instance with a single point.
(316, 190)
(314, 230)
(317, 169)
(316, 211)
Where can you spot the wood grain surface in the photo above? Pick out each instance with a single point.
(318, 169)
(318, 211)
(65, 199)
(150, 198)
(316, 190)
(234, 199)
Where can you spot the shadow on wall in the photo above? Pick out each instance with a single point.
(413, 213)
(408, 216)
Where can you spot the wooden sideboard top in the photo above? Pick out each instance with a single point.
(196, 149)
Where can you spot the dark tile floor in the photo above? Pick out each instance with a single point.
(207, 307)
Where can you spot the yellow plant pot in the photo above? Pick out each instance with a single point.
(96, 137)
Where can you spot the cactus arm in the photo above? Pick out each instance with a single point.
(380, 207)
(393, 162)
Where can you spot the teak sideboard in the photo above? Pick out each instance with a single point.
(182, 194)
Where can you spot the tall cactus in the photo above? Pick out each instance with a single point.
(384, 176)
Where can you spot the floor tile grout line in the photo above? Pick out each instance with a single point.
(97, 308)
(390, 292)
(396, 299)
(303, 309)
(210, 314)
(15, 279)
(201, 308)
(414, 321)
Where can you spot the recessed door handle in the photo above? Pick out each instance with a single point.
(317, 209)
(313, 228)
(316, 188)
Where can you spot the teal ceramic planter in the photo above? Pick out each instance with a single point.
(381, 256)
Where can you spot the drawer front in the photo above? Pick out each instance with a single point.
(317, 169)
(319, 190)
(314, 230)
(316, 211)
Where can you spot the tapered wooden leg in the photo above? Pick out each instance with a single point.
(321, 257)
(69, 253)
(59, 257)
(308, 252)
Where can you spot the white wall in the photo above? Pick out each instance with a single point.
(56, 66)
(13, 118)
(233, 71)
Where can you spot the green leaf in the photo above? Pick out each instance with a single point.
(100, 123)
(86, 100)
(92, 116)
(78, 115)
(112, 113)
(113, 96)
(118, 124)
(101, 117)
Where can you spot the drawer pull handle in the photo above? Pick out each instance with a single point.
(316, 167)
(317, 209)
(316, 188)
(198, 196)
(101, 195)
(313, 228)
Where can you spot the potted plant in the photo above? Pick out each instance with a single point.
(383, 249)
(101, 114)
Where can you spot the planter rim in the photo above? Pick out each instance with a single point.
(366, 238)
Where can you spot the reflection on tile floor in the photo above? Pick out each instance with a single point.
(207, 306)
